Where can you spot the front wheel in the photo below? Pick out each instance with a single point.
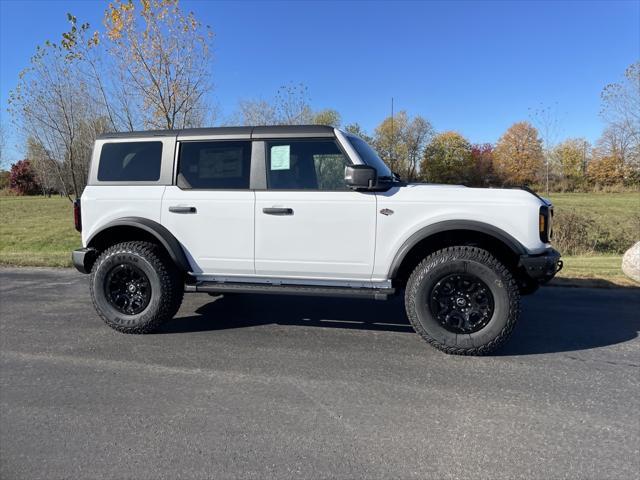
(134, 288)
(463, 301)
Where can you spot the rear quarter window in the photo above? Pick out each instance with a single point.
(130, 162)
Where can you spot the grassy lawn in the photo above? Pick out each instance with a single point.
(593, 271)
(614, 206)
(38, 231)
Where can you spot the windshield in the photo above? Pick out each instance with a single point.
(370, 157)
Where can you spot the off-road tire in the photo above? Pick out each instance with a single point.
(165, 282)
(488, 269)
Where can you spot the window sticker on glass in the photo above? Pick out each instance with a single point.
(280, 158)
(216, 163)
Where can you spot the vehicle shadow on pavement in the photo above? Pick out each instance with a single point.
(558, 320)
(245, 310)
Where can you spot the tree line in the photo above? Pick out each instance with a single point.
(149, 68)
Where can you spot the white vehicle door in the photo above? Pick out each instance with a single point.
(210, 210)
(308, 224)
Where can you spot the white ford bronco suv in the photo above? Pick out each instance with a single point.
(306, 210)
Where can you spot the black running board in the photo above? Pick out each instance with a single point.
(220, 287)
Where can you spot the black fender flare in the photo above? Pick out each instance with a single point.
(448, 225)
(164, 237)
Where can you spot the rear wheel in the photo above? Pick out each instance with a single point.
(134, 288)
(463, 301)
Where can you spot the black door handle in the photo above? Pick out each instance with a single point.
(278, 211)
(179, 209)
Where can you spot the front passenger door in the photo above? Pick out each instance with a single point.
(309, 225)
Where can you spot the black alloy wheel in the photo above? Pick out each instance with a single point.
(462, 303)
(127, 289)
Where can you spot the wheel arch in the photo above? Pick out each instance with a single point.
(451, 233)
(138, 228)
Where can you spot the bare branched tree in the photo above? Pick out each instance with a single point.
(401, 142)
(163, 63)
(256, 112)
(416, 136)
(50, 103)
(152, 71)
(621, 111)
(2, 146)
(547, 121)
(290, 106)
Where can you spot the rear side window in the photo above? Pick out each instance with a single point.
(214, 165)
(130, 162)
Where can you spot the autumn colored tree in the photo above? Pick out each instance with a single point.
(149, 69)
(162, 55)
(22, 179)
(328, 116)
(400, 142)
(482, 157)
(570, 156)
(358, 131)
(518, 157)
(607, 171)
(447, 159)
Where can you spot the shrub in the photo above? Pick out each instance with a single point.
(572, 233)
(22, 178)
(576, 233)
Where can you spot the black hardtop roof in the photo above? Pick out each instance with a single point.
(270, 131)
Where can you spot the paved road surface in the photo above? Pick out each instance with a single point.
(293, 387)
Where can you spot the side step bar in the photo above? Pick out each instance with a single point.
(220, 287)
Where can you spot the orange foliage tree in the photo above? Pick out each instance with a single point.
(518, 157)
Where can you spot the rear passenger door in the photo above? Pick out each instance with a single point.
(309, 225)
(210, 209)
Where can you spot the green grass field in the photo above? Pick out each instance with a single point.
(37, 231)
(616, 206)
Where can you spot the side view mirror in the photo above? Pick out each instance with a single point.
(360, 177)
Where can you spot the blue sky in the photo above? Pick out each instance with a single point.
(474, 67)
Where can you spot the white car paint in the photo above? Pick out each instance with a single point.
(416, 206)
(219, 237)
(333, 236)
(102, 204)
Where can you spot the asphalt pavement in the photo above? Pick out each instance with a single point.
(250, 386)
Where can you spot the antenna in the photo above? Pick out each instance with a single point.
(393, 140)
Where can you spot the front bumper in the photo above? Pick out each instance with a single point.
(83, 259)
(542, 267)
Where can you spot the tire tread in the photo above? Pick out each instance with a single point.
(463, 253)
(172, 291)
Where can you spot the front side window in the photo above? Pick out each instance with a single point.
(130, 162)
(305, 165)
(214, 165)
